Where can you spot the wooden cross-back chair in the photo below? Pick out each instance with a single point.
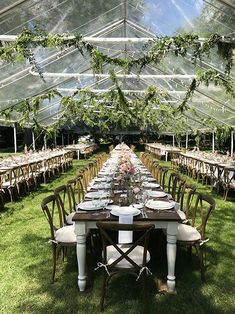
(228, 181)
(76, 190)
(163, 174)
(124, 258)
(175, 185)
(186, 198)
(194, 235)
(61, 236)
(84, 173)
(65, 203)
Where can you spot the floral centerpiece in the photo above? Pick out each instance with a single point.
(126, 168)
(128, 177)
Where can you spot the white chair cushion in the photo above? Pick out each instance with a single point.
(69, 218)
(136, 255)
(187, 233)
(66, 234)
(181, 214)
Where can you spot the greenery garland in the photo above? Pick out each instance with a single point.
(157, 49)
(114, 108)
(207, 77)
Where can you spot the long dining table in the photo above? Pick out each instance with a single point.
(86, 219)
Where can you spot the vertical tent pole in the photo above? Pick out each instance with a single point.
(186, 143)
(55, 142)
(232, 142)
(15, 140)
(173, 139)
(213, 141)
(33, 139)
(62, 139)
(45, 141)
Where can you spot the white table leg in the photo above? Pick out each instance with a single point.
(171, 255)
(81, 254)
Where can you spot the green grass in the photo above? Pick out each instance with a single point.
(6, 155)
(25, 267)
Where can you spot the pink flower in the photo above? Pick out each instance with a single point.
(136, 190)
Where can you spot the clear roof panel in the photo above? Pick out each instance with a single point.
(116, 18)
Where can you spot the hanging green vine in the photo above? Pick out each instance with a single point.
(157, 49)
(114, 108)
(207, 77)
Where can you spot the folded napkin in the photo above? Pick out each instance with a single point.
(125, 236)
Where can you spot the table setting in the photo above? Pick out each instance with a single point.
(124, 186)
(131, 196)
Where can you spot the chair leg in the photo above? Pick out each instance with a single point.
(103, 291)
(145, 299)
(1, 199)
(226, 194)
(10, 193)
(53, 261)
(201, 257)
(200, 253)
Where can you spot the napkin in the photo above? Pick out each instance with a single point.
(125, 236)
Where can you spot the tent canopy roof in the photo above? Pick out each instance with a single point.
(113, 19)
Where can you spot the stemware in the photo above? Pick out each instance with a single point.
(143, 199)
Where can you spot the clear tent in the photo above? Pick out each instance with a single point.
(116, 18)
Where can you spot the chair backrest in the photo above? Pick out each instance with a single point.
(64, 201)
(84, 173)
(76, 191)
(175, 185)
(163, 177)
(142, 229)
(187, 195)
(155, 170)
(204, 204)
(52, 214)
(178, 188)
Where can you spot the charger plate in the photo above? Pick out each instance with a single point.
(124, 210)
(157, 194)
(160, 205)
(92, 205)
(151, 185)
(100, 194)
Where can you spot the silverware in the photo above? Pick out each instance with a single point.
(144, 215)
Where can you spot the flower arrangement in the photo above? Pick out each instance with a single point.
(126, 169)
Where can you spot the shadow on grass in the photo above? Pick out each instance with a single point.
(124, 293)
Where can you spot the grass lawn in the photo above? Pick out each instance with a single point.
(25, 267)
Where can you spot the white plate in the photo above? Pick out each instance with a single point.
(148, 179)
(100, 194)
(151, 185)
(145, 172)
(111, 207)
(161, 205)
(91, 205)
(100, 179)
(125, 210)
(156, 194)
(138, 206)
(101, 186)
